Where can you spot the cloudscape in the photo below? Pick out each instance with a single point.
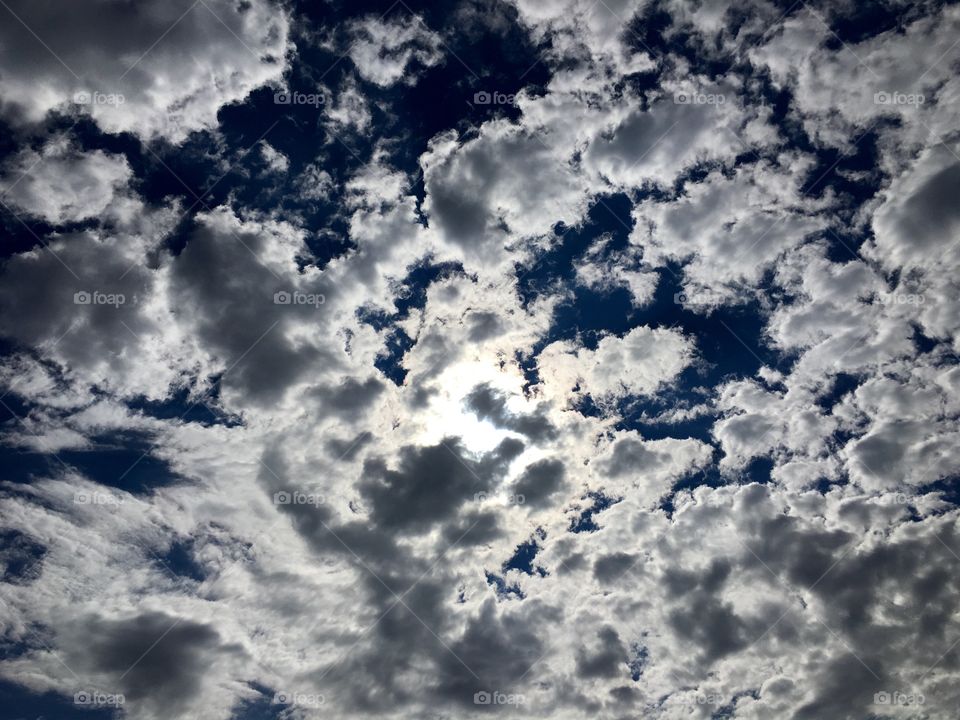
(453, 359)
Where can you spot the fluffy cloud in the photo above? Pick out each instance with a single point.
(636, 364)
(383, 50)
(61, 185)
(160, 71)
(642, 403)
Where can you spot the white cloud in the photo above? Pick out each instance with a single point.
(636, 364)
(62, 185)
(384, 49)
(438, 426)
(161, 71)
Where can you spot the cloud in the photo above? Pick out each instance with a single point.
(540, 481)
(384, 49)
(162, 72)
(162, 665)
(430, 484)
(446, 459)
(62, 185)
(636, 364)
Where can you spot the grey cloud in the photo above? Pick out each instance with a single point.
(349, 398)
(846, 686)
(490, 404)
(159, 662)
(149, 56)
(612, 567)
(630, 456)
(497, 649)
(541, 482)
(473, 528)
(83, 293)
(609, 659)
(709, 625)
(235, 314)
(379, 596)
(429, 485)
(483, 326)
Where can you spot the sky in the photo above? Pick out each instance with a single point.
(479, 358)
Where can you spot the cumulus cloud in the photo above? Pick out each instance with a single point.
(636, 364)
(634, 397)
(61, 185)
(384, 49)
(161, 71)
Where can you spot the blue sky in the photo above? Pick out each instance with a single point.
(550, 358)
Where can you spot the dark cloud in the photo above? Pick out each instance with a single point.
(630, 456)
(612, 567)
(931, 209)
(430, 484)
(350, 398)
(530, 213)
(845, 687)
(21, 557)
(236, 316)
(490, 404)
(473, 528)
(609, 660)
(115, 51)
(159, 662)
(540, 482)
(483, 326)
(495, 651)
